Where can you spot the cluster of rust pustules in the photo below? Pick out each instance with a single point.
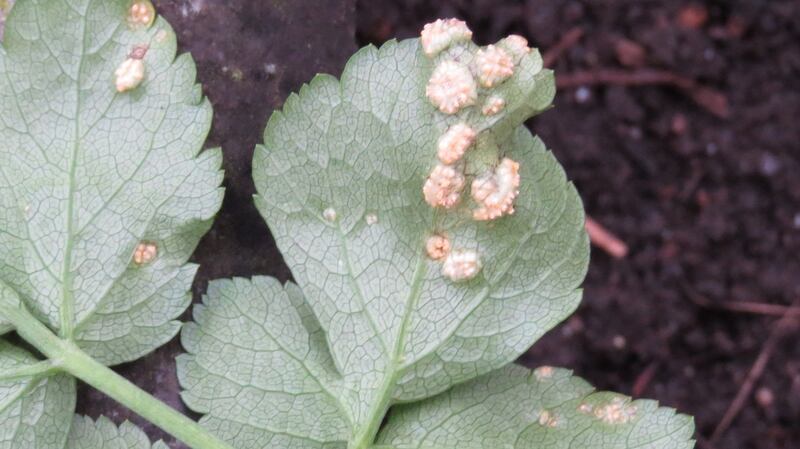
(453, 86)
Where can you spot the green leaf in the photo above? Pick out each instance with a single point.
(35, 409)
(339, 182)
(103, 434)
(259, 369)
(9, 299)
(546, 408)
(87, 174)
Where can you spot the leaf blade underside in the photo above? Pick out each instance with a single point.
(517, 408)
(104, 434)
(87, 173)
(363, 147)
(35, 411)
(259, 370)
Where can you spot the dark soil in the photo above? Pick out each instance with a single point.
(710, 207)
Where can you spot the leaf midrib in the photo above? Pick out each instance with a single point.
(67, 276)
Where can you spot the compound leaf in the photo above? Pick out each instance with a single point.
(88, 174)
(517, 408)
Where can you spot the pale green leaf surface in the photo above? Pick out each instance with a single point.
(363, 147)
(104, 434)
(259, 369)
(86, 173)
(35, 411)
(515, 408)
(9, 299)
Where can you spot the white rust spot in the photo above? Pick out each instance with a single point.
(437, 247)
(493, 66)
(585, 408)
(130, 73)
(141, 14)
(618, 411)
(543, 372)
(548, 419)
(439, 35)
(461, 265)
(494, 105)
(455, 142)
(443, 187)
(371, 219)
(161, 36)
(451, 87)
(495, 192)
(329, 214)
(516, 44)
(145, 253)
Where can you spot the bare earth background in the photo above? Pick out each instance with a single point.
(699, 179)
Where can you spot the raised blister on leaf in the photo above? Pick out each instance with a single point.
(141, 14)
(516, 44)
(617, 411)
(130, 74)
(451, 87)
(442, 33)
(461, 265)
(329, 214)
(455, 142)
(495, 191)
(145, 253)
(493, 66)
(437, 247)
(443, 187)
(494, 105)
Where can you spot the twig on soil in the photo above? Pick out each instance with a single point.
(567, 41)
(760, 308)
(755, 308)
(644, 379)
(604, 239)
(710, 99)
(778, 331)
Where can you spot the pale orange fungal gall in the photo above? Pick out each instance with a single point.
(543, 372)
(437, 247)
(437, 36)
(495, 192)
(462, 265)
(145, 253)
(516, 44)
(141, 14)
(329, 214)
(451, 87)
(455, 142)
(494, 105)
(617, 411)
(130, 74)
(443, 187)
(493, 66)
(548, 419)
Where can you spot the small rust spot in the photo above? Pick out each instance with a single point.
(141, 14)
(437, 247)
(145, 253)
